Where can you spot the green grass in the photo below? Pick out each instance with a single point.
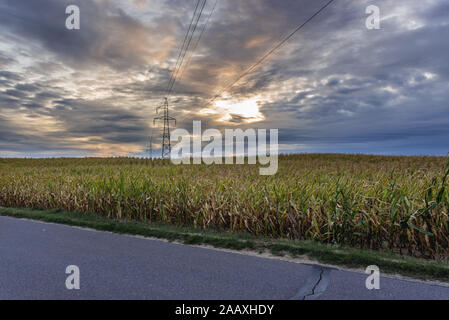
(328, 254)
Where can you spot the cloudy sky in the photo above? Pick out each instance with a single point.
(336, 86)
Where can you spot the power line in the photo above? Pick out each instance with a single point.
(269, 53)
(166, 143)
(198, 40)
(187, 48)
(183, 45)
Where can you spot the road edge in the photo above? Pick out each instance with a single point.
(389, 263)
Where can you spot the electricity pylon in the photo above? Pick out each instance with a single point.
(166, 144)
(150, 145)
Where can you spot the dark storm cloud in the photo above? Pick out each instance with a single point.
(10, 76)
(20, 144)
(26, 87)
(94, 119)
(45, 96)
(109, 35)
(10, 140)
(7, 100)
(32, 105)
(335, 86)
(15, 93)
(244, 31)
(377, 84)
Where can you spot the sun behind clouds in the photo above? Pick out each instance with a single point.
(247, 109)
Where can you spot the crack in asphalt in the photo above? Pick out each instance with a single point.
(309, 287)
(315, 286)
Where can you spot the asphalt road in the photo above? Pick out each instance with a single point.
(34, 257)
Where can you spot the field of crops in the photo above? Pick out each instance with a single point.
(398, 203)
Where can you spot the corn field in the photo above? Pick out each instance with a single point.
(376, 202)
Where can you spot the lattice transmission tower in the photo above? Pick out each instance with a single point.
(149, 149)
(166, 144)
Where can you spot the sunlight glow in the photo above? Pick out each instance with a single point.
(247, 109)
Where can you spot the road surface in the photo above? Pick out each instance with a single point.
(34, 257)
